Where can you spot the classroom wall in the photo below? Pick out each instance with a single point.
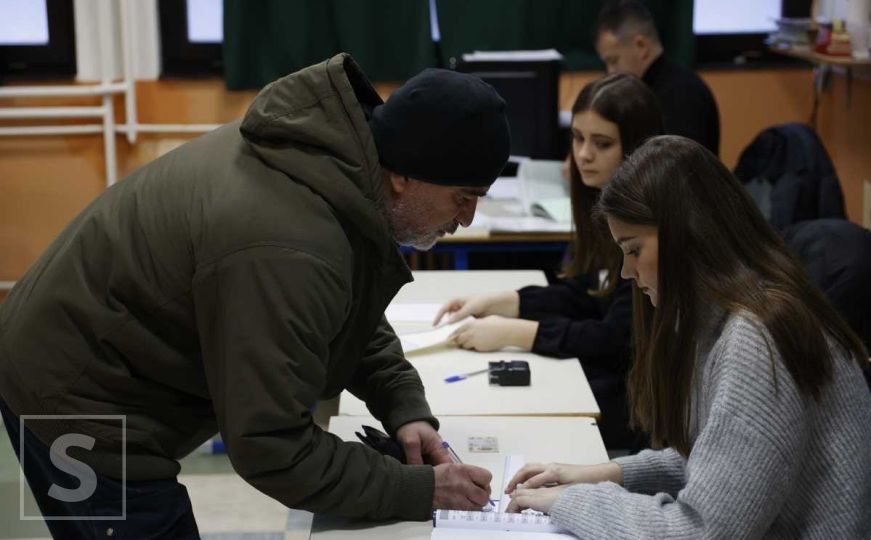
(46, 181)
(750, 101)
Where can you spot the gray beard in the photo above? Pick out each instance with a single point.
(401, 232)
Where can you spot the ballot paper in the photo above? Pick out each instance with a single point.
(411, 313)
(413, 341)
(513, 463)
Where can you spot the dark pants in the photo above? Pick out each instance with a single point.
(154, 509)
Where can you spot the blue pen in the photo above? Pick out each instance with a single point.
(213, 446)
(464, 376)
(456, 459)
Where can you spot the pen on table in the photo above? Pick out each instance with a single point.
(463, 376)
(213, 446)
(456, 459)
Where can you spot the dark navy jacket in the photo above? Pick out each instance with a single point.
(790, 175)
(837, 255)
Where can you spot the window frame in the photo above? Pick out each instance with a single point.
(55, 60)
(181, 58)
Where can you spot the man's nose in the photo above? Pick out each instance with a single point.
(467, 212)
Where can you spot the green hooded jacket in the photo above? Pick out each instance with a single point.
(230, 285)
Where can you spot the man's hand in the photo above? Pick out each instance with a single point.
(461, 487)
(493, 333)
(421, 441)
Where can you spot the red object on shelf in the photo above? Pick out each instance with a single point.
(833, 40)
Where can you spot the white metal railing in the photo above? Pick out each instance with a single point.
(106, 89)
(62, 91)
(50, 112)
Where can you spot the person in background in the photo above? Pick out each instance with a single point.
(745, 376)
(587, 314)
(230, 285)
(627, 41)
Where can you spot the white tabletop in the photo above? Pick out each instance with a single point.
(442, 285)
(558, 386)
(566, 440)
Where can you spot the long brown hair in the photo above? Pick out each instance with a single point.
(628, 102)
(714, 246)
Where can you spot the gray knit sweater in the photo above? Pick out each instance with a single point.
(766, 462)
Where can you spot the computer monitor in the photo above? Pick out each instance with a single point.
(531, 92)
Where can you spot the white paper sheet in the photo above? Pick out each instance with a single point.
(526, 225)
(540, 55)
(411, 313)
(513, 463)
(442, 533)
(505, 187)
(413, 341)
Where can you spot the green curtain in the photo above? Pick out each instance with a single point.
(266, 39)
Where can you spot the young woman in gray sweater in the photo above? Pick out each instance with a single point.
(747, 379)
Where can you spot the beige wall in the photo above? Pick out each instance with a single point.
(45, 181)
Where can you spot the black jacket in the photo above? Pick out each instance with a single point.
(837, 255)
(688, 106)
(789, 173)
(573, 324)
(229, 285)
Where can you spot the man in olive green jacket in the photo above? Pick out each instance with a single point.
(234, 282)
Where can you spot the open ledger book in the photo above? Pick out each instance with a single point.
(469, 525)
(461, 524)
(543, 192)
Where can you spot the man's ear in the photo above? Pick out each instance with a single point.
(642, 46)
(397, 183)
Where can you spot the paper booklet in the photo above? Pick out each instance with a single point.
(520, 224)
(543, 192)
(557, 209)
(462, 519)
(461, 524)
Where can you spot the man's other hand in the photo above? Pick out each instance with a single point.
(421, 442)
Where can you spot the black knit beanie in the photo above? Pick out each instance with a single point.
(443, 127)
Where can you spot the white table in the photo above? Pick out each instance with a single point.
(442, 285)
(558, 387)
(566, 440)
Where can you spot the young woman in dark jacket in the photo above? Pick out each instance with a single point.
(587, 314)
